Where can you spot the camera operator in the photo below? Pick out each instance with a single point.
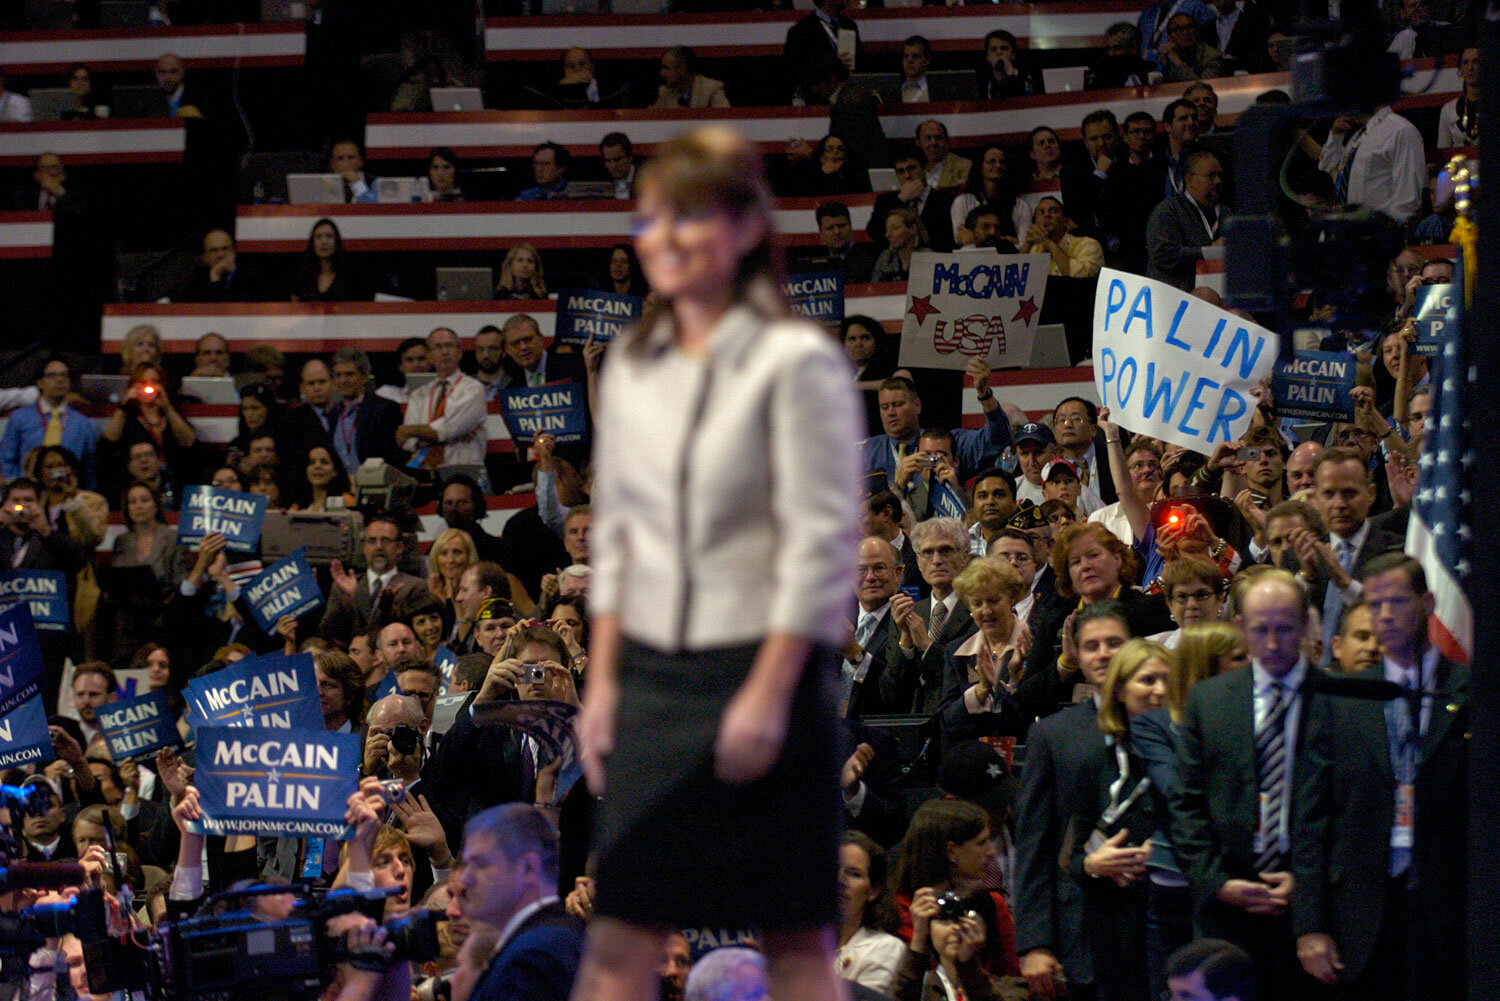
(394, 748)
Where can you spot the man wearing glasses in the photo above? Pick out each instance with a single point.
(877, 571)
(913, 679)
(1075, 421)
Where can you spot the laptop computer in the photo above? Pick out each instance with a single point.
(952, 85)
(1063, 79)
(589, 189)
(272, 11)
(124, 13)
(103, 388)
(1050, 349)
(883, 179)
(464, 285)
(315, 189)
(49, 103)
(456, 99)
(148, 101)
(211, 388)
(395, 190)
(416, 380)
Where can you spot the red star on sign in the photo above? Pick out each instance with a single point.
(1025, 311)
(922, 308)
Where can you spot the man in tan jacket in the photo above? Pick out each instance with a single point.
(682, 87)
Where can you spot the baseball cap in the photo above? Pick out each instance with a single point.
(977, 772)
(495, 608)
(1057, 464)
(1029, 515)
(1041, 434)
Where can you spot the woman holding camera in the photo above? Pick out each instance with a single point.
(944, 960)
(146, 414)
(722, 546)
(949, 845)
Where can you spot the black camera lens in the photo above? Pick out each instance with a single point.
(414, 936)
(952, 905)
(405, 738)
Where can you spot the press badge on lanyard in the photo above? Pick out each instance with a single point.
(1406, 816)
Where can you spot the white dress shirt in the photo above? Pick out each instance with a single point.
(727, 485)
(461, 427)
(1387, 163)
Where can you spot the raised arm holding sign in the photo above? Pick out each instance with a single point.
(1174, 367)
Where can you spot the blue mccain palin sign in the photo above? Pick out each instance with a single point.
(273, 691)
(254, 780)
(446, 661)
(558, 409)
(582, 314)
(139, 727)
(24, 739)
(1430, 313)
(817, 296)
(286, 587)
(46, 591)
(235, 515)
(1315, 384)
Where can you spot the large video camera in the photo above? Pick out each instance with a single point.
(235, 948)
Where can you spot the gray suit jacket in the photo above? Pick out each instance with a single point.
(1175, 238)
(914, 682)
(345, 616)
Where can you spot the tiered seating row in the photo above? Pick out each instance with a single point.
(487, 225)
(120, 49)
(757, 33)
(516, 133)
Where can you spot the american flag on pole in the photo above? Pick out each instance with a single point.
(1438, 534)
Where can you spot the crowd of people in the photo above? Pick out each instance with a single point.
(1107, 603)
(1146, 765)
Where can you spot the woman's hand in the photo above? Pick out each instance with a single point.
(594, 729)
(424, 830)
(187, 810)
(923, 909)
(580, 902)
(751, 734)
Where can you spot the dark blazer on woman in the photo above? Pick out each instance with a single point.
(1147, 614)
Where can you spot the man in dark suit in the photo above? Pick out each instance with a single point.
(358, 601)
(1065, 760)
(818, 34)
(933, 207)
(913, 678)
(1381, 800)
(837, 250)
(366, 424)
(1181, 226)
(1240, 745)
(222, 277)
(1343, 494)
(882, 518)
(510, 883)
(1076, 423)
(312, 423)
(528, 362)
(1242, 28)
(877, 571)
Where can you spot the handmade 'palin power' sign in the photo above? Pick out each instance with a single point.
(24, 739)
(286, 587)
(46, 591)
(600, 315)
(234, 515)
(274, 691)
(138, 728)
(1171, 366)
(253, 780)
